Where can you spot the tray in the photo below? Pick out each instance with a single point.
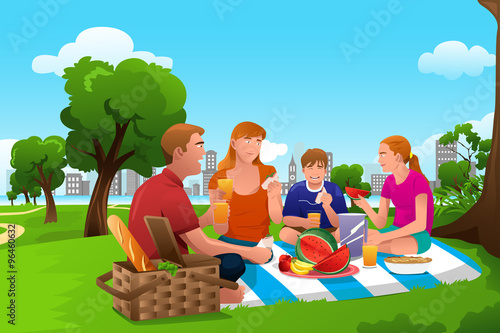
(350, 270)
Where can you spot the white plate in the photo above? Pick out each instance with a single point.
(417, 268)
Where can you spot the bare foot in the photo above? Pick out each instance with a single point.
(232, 296)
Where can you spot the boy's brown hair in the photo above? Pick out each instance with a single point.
(177, 135)
(311, 156)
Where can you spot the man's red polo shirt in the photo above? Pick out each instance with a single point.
(162, 195)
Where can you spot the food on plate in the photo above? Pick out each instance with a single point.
(303, 265)
(297, 270)
(354, 192)
(407, 260)
(315, 244)
(335, 262)
(284, 265)
(285, 256)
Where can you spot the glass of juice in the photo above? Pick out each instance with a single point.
(221, 212)
(369, 256)
(315, 215)
(226, 184)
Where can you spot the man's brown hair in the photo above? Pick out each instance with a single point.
(177, 135)
(311, 156)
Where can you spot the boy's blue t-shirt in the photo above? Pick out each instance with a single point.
(300, 199)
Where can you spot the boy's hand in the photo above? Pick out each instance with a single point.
(326, 199)
(310, 223)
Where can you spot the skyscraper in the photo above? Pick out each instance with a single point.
(210, 169)
(196, 189)
(444, 154)
(74, 184)
(133, 182)
(329, 167)
(377, 182)
(116, 184)
(292, 177)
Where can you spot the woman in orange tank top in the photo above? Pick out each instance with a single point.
(251, 207)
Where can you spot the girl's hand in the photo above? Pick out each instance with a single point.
(274, 189)
(377, 238)
(362, 203)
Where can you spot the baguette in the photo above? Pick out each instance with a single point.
(128, 243)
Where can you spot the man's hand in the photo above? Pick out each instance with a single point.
(273, 189)
(310, 223)
(259, 255)
(326, 199)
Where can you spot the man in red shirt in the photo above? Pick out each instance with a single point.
(164, 195)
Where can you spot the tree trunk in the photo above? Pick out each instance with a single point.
(51, 212)
(481, 224)
(96, 222)
(12, 202)
(34, 201)
(26, 196)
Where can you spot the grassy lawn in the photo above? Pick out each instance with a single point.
(57, 291)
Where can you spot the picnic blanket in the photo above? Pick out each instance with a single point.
(266, 285)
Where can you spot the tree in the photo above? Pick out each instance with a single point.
(117, 117)
(40, 163)
(453, 174)
(475, 146)
(480, 224)
(349, 176)
(19, 187)
(35, 192)
(11, 196)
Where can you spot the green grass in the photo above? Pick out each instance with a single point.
(57, 290)
(2, 230)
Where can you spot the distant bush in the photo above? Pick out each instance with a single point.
(484, 321)
(401, 323)
(28, 204)
(450, 200)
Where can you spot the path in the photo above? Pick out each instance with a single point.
(114, 206)
(22, 213)
(4, 237)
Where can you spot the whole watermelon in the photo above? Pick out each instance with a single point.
(315, 244)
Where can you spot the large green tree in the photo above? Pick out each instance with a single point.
(349, 176)
(481, 223)
(35, 193)
(117, 117)
(11, 195)
(40, 163)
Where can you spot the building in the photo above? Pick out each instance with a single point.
(74, 184)
(210, 169)
(133, 182)
(444, 154)
(116, 184)
(329, 167)
(196, 189)
(432, 184)
(369, 169)
(473, 170)
(153, 174)
(377, 182)
(292, 177)
(188, 190)
(85, 187)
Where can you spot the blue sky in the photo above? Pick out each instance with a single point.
(260, 57)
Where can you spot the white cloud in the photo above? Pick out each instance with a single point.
(5, 149)
(452, 58)
(483, 127)
(101, 43)
(270, 151)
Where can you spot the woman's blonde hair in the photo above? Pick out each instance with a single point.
(241, 130)
(399, 144)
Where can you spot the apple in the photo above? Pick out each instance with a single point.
(284, 265)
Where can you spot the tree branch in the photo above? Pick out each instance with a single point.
(458, 153)
(84, 152)
(123, 158)
(100, 156)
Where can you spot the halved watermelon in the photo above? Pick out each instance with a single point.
(334, 263)
(354, 192)
(315, 244)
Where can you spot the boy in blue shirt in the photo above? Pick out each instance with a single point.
(313, 195)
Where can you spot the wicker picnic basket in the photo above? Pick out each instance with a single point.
(146, 295)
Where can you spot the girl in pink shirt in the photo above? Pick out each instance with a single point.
(412, 197)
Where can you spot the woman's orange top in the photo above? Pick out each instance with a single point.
(249, 214)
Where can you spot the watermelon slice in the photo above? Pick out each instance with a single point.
(354, 192)
(315, 244)
(334, 263)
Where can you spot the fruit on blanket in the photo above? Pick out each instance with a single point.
(297, 270)
(354, 192)
(334, 263)
(284, 264)
(315, 244)
(285, 256)
(303, 265)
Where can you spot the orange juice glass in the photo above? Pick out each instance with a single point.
(226, 184)
(370, 256)
(315, 215)
(221, 212)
